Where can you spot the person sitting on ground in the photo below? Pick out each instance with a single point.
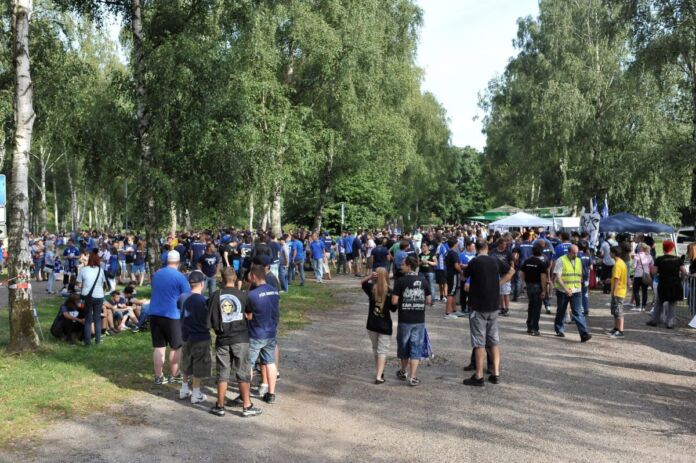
(379, 322)
(122, 313)
(229, 314)
(72, 320)
(195, 332)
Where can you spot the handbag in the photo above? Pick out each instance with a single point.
(646, 278)
(427, 351)
(87, 300)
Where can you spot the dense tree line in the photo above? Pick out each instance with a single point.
(600, 99)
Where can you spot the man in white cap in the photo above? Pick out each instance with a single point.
(168, 284)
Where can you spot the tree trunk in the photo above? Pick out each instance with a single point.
(143, 116)
(2, 148)
(251, 211)
(73, 202)
(266, 213)
(276, 198)
(324, 189)
(55, 207)
(187, 219)
(97, 220)
(693, 120)
(22, 322)
(42, 188)
(172, 219)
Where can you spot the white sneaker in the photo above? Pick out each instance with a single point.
(196, 399)
(263, 389)
(451, 316)
(460, 314)
(184, 393)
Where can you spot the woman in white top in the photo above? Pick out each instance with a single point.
(91, 280)
(642, 263)
(49, 264)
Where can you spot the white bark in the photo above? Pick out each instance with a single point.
(22, 323)
(105, 212)
(172, 219)
(276, 204)
(74, 213)
(251, 211)
(266, 214)
(55, 207)
(187, 219)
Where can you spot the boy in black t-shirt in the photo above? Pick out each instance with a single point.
(534, 275)
(229, 312)
(195, 332)
(453, 270)
(411, 294)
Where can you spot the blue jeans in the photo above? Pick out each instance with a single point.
(93, 312)
(211, 285)
(586, 298)
(263, 350)
(283, 277)
(431, 281)
(297, 267)
(144, 314)
(51, 280)
(409, 340)
(575, 301)
(318, 265)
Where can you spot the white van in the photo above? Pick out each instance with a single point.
(684, 237)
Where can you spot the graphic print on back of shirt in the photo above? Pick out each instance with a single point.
(231, 308)
(413, 298)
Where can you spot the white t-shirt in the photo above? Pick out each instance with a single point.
(86, 279)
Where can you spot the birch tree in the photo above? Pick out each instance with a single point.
(23, 334)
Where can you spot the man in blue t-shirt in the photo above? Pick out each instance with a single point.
(168, 284)
(316, 247)
(349, 251)
(195, 332)
(264, 302)
(297, 258)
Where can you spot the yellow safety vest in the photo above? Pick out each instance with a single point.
(572, 274)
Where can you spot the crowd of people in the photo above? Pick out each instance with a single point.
(468, 266)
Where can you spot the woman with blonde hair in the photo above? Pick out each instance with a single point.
(379, 322)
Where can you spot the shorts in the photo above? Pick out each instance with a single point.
(409, 340)
(118, 315)
(349, 256)
(165, 331)
(233, 358)
(139, 268)
(440, 277)
(452, 284)
(195, 359)
(506, 289)
(263, 349)
(484, 329)
(617, 309)
(380, 343)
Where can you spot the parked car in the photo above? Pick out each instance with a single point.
(684, 237)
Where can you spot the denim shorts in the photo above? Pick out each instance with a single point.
(409, 340)
(138, 268)
(263, 349)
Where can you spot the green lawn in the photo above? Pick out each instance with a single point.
(61, 381)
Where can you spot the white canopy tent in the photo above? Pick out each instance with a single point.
(520, 220)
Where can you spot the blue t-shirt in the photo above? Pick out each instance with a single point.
(465, 257)
(72, 254)
(167, 285)
(317, 249)
(275, 248)
(399, 258)
(379, 257)
(209, 263)
(348, 242)
(525, 250)
(198, 249)
(139, 257)
(298, 249)
(561, 250)
(586, 260)
(441, 253)
(328, 242)
(113, 265)
(194, 325)
(264, 303)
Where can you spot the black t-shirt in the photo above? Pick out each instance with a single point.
(668, 267)
(484, 272)
(451, 260)
(209, 264)
(424, 266)
(227, 309)
(378, 316)
(194, 326)
(263, 253)
(505, 256)
(412, 290)
(533, 268)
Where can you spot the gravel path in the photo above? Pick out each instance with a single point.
(607, 400)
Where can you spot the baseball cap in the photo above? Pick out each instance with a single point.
(196, 277)
(173, 256)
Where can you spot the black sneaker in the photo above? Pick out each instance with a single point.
(379, 381)
(160, 380)
(401, 374)
(613, 330)
(474, 381)
(236, 402)
(530, 331)
(651, 323)
(470, 367)
(178, 379)
(536, 333)
(585, 337)
(560, 335)
(251, 410)
(217, 410)
(268, 398)
(494, 379)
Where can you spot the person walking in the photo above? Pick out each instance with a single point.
(533, 273)
(379, 322)
(642, 263)
(318, 252)
(568, 284)
(91, 280)
(669, 269)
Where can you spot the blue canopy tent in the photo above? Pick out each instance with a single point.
(623, 222)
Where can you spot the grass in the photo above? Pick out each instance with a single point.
(61, 381)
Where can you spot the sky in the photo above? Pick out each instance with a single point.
(463, 45)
